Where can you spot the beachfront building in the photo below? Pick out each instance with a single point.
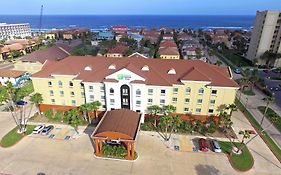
(34, 62)
(266, 36)
(195, 88)
(10, 31)
(120, 29)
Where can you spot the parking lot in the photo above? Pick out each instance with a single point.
(59, 132)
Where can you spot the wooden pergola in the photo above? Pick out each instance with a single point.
(122, 125)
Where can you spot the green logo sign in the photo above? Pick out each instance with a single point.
(123, 77)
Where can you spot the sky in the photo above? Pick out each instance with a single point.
(138, 7)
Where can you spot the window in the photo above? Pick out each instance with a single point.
(149, 101)
(92, 97)
(62, 102)
(199, 101)
(186, 109)
(214, 92)
(187, 91)
(112, 101)
(175, 90)
(150, 91)
(212, 101)
(211, 111)
(138, 102)
(198, 110)
(162, 101)
(138, 93)
(111, 91)
(60, 84)
(125, 91)
(174, 100)
(73, 102)
(53, 101)
(61, 93)
(138, 111)
(82, 94)
(72, 94)
(50, 84)
(201, 91)
(91, 88)
(102, 88)
(187, 100)
(82, 86)
(163, 92)
(51, 93)
(70, 84)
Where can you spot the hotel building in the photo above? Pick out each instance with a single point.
(9, 31)
(192, 86)
(266, 36)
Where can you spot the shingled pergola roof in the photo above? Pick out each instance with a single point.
(121, 124)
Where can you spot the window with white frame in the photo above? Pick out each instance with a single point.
(174, 100)
(92, 97)
(201, 91)
(187, 100)
(60, 84)
(51, 93)
(198, 110)
(71, 84)
(199, 101)
(163, 92)
(112, 101)
(138, 103)
(212, 102)
(187, 91)
(73, 102)
(138, 93)
(175, 90)
(186, 110)
(72, 94)
(53, 101)
(50, 84)
(111, 91)
(162, 101)
(149, 101)
(82, 94)
(102, 88)
(91, 88)
(62, 93)
(211, 111)
(214, 92)
(150, 91)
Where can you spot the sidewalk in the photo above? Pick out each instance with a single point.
(252, 106)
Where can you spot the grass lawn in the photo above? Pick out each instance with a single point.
(268, 113)
(241, 162)
(13, 137)
(266, 138)
(248, 93)
(236, 59)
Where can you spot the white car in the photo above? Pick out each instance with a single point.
(38, 129)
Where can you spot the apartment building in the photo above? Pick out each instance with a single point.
(266, 36)
(195, 88)
(10, 31)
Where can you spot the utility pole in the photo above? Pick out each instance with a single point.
(40, 22)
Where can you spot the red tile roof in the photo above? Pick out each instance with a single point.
(169, 51)
(168, 43)
(119, 48)
(10, 73)
(55, 53)
(193, 70)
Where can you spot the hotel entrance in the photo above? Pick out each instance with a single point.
(125, 96)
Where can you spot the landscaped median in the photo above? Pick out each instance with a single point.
(12, 137)
(266, 138)
(269, 114)
(240, 162)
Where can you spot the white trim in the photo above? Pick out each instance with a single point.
(193, 81)
(222, 87)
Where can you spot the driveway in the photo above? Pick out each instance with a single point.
(6, 123)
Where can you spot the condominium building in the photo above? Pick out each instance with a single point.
(10, 31)
(266, 36)
(195, 88)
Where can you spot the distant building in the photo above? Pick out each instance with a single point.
(266, 36)
(117, 51)
(10, 31)
(120, 29)
(168, 36)
(5, 51)
(34, 62)
(105, 35)
(168, 43)
(13, 76)
(169, 53)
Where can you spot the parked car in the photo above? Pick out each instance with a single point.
(237, 71)
(203, 145)
(276, 88)
(47, 130)
(277, 71)
(265, 71)
(216, 146)
(38, 129)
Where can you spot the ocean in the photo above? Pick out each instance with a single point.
(97, 22)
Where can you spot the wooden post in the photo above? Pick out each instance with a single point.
(133, 151)
(128, 151)
(100, 147)
(97, 146)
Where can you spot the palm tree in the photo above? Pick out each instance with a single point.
(225, 121)
(246, 135)
(85, 108)
(37, 99)
(73, 118)
(219, 62)
(154, 110)
(231, 107)
(244, 82)
(94, 106)
(167, 125)
(169, 109)
(268, 100)
(270, 57)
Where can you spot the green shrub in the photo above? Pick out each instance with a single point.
(114, 151)
(49, 114)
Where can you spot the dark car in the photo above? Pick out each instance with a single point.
(265, 71)
(47, 130)
(203, 145)
(277, 71)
